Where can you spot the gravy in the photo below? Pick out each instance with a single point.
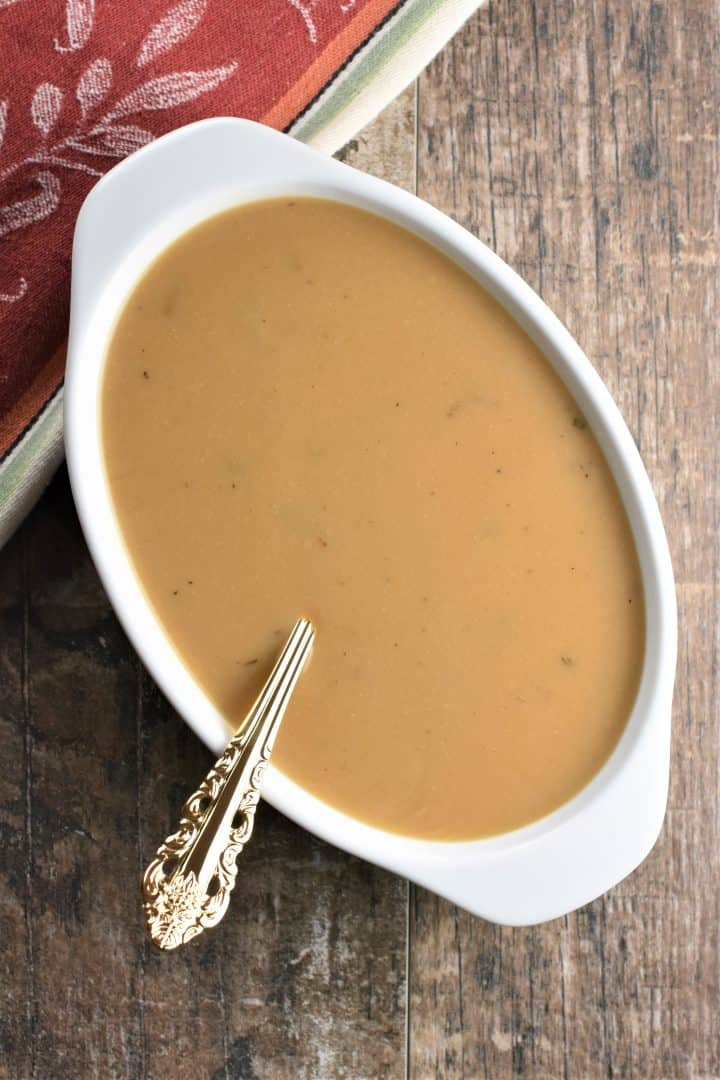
(307, 410)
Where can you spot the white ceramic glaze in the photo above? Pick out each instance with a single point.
(523, 877)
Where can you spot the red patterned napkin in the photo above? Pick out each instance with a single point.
(87, 82)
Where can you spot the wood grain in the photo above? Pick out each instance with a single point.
(581, 142)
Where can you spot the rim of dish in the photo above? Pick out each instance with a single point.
(561, 351)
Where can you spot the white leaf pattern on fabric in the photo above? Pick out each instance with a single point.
(45, 107)
(106, 136)
(93, 85)
(7, 3)
(26, 211)
(79, 18)
(305, 9)
(177, 25)
(115, 140)
(12, 298)
(169, 90)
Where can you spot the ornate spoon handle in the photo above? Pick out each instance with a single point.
(187, 886)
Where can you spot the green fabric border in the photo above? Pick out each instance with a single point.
(29, 467)
(365, 67)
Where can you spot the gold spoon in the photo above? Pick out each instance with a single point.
(187, 886)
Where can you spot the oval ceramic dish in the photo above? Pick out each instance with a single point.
(522, 877)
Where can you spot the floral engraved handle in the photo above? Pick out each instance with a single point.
(187, 886)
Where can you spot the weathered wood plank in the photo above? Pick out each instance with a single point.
(80, 805)
(581, 142)
(387, 147)
(17, 1015)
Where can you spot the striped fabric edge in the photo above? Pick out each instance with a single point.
(379, 70)
(30, 466)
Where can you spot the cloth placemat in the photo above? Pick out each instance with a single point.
(83, 83)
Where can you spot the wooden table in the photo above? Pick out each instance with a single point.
(581, 142)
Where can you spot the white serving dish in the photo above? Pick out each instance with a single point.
(523, 877)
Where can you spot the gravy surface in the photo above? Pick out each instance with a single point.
(308, 410)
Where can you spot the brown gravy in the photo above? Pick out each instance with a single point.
(308, 410)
